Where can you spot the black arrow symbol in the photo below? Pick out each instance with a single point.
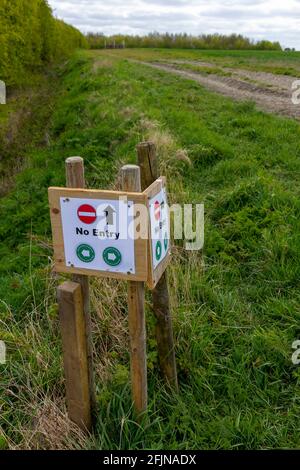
(109, 213)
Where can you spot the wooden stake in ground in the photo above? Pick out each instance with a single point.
(75, 179)
(72, 323)
(147, 159)
(131, 181)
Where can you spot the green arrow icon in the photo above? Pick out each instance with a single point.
(158, 251)
(166, 242)
(112, 256)
(85, 253)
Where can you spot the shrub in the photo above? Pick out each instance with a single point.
(30, 36)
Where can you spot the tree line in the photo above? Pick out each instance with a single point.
(181, 41)
(30, 36)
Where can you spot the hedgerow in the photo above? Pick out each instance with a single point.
(30, 36)
(181, 41)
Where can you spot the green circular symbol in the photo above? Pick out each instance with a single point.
(158, 251)
(112, 256)
(166, 242)
(85, 253)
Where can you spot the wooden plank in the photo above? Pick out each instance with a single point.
(148, 163)
(72, 324)
(75, 172)
(138, 198)
(136, 314)
(155, 187)
(75, 178)
(141, 245)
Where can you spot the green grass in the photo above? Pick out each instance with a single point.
(24, 124)
(280, 63)
(235, 306)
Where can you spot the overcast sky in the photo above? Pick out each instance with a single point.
(277, 20)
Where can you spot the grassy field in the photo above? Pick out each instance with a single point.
(235, 305)
(281, 63)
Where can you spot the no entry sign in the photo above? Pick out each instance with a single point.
(159, 243)
(92, 235)
(157, 211)
(87, 214)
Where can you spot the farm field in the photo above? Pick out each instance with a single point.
(285, 63)
(263, 77)
(235, 305)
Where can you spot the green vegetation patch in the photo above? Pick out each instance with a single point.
(235, 306)
(30, 37)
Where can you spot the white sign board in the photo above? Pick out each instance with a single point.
(160, 227)
(93, 238)
(2, 92)
(159, 231)
(94, 233)
(2, 352)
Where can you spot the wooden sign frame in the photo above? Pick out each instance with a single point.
(140, 245)
(154, 275)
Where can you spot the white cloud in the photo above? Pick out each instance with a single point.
(258, 19)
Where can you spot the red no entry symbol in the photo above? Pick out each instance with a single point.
(157, 212)
(87, 214)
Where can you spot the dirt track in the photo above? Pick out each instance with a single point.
(272, 93)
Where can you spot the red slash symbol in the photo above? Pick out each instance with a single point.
(157, 210)
(87, 214)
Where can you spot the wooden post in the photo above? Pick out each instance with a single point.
(131, 181)
(71, 316)
(75, 179)
(148, 162)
